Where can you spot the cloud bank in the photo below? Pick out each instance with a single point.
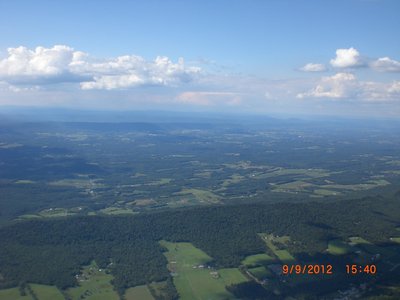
(336, 86)
(347, 86)
(62, 64)
(61, 75)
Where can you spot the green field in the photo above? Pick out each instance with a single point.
(28, 216)
(358, 187)
(40, 291)
(193, 279)
(260, 272)
(311, 173)
(55, 212)
(140, 292)
(202, 196)
(49, 213)
(356, 240)
(13, 294)
(244, 165)
(395, 239)
(46, 292)
(258, 259)
(84, 183)
(186, 252)
(231, 276)
(282, 254)
(338, 247)
(94, 284)
(235, 178)
(158, 289)
(323, 192)
(294, 186)
(112, 210)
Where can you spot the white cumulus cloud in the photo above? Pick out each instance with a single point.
(385, 64)
(347, 86)
(351, 58)
(311, 67)
(132, 71)
(337, 86)
(61, 64)
(23, 65)
(346, 58)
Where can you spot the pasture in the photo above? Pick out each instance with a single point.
(260, 272)
(235, 178)
(94, 283)
(338, 247)
(202, 196)
(32, 291)
(272, 243)
(395, 239)
(112, 210)
(290, 187)
(46, 292)
(324, 192)
(193, 278)
(258, 259)
(140, 292)
(158, 289)
(13, 293)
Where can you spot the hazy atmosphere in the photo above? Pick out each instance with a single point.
(273, 57)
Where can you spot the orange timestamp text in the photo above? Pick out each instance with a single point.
(327, 269)
(311, 269)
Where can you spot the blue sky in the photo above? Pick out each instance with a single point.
(296, 57)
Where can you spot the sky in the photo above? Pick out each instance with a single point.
(298, 57)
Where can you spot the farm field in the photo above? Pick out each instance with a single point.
(260, 272)
(202, 196)
(159, 290)
(46, 292)
(192, 276)
(395, 239)
(140, 292)
(32, 292)
(338, 247)
(94, 284)
(258, 259)
(116, 211)
(282, 254)
(357, 240)
(14, 293)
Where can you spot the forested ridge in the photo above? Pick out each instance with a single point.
(53, 251)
